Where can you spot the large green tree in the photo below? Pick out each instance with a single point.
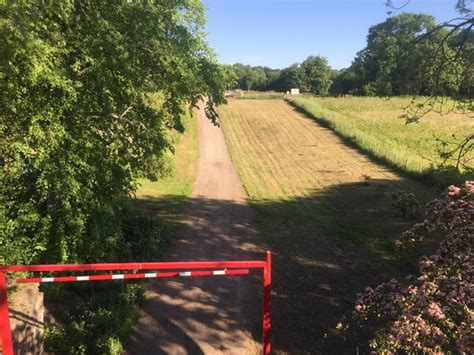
(249, 77)
(318, 75)
(393, 62)
(408, 54)
(294, 77)
(89, 91)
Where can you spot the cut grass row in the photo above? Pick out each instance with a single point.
(325, 212)
(375, 126)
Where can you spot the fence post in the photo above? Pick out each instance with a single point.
(267, 283)
(5, 331)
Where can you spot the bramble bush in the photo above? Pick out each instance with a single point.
(433, 312)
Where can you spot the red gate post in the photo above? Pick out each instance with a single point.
(267, 283)
(5, 331)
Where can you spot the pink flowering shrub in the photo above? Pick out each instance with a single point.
(431, 313)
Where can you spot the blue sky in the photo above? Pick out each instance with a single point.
(278, 33)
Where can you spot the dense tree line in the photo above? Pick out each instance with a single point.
(407, 54)
(311, 76)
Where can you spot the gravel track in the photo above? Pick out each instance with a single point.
(216, 314)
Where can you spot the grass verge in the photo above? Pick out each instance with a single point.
(152, 196)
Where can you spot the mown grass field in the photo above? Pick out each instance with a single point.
(374, 125)
(325, 210)
(166, 197)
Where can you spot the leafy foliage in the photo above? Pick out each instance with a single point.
(432, 312)
(91, 93)
(100, 316)
(78, 119)
(99, 321)
(317, 73)
(248, 78)
(401, 59)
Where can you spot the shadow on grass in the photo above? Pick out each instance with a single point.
(327, 247)
(168, 207)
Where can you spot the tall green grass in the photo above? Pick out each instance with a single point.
(374, 125)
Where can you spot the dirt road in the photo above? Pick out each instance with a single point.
(206, 315)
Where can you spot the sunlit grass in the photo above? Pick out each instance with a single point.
(280, 153)
(375, 125)
(179, 183)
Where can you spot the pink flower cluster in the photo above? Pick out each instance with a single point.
(431, 312)
(453, 190)
(434, 311)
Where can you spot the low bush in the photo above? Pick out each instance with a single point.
(406, 203)
(99, 321)
(99, 317)
(432, 312)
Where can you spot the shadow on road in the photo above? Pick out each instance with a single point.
(186, 314)
(326, 247)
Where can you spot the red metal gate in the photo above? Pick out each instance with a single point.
(171, 269)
